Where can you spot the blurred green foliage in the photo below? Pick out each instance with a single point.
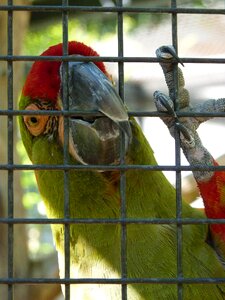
(40, 37)
(46, 27)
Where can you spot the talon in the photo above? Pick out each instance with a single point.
(186, 134)
(164, 103)
(168, 52)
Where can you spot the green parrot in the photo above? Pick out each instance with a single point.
(96, 251)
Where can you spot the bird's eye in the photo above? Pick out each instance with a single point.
(35, 123)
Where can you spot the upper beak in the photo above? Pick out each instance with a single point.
(95, 140)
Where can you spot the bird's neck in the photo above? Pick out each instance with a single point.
(147, 192)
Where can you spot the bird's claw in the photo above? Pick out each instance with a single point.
(168, 53)
(165, 104)
(186, 137)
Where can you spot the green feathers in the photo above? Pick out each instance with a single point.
(95, 249)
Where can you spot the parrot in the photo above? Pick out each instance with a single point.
(142, 266)
(211, 184)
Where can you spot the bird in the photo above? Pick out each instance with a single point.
(57, 129)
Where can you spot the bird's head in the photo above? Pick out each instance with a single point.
(92, 139)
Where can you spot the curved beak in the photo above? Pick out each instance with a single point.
(95, 139)
(168, 52)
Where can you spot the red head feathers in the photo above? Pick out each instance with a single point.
(43, 80)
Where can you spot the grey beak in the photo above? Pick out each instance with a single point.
(96, 139)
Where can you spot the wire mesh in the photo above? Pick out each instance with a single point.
(119, 9)
(10, 156)
(65, 149)
(177, 160)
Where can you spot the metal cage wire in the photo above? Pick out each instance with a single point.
(10, 167)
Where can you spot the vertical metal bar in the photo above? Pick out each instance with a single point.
(10, 151)
(65, 153)
(177, 161)
(122, 159)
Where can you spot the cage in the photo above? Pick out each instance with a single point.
(16, 281)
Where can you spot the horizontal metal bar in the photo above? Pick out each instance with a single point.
(82, 113)
(197, 280)
(77, 58)
(201, 60)
(126, 59)
(127, 221)
(112, 9)
(17, 167)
